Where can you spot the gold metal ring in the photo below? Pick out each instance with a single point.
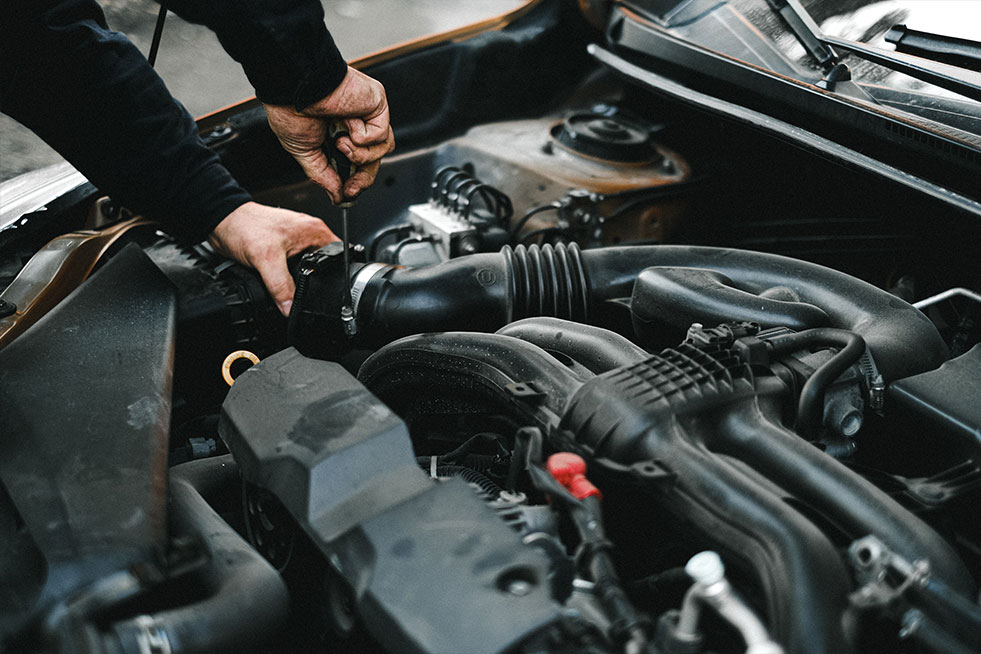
(226, 366)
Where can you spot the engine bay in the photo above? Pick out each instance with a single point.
(622, 376)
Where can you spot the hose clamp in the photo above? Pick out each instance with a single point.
(361, 279)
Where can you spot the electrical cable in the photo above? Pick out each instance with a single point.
(534, 211)
(545, 230)
(157, 34)
(384, 233)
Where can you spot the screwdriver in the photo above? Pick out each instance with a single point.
(344, 169)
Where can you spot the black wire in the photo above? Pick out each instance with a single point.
(543, 231)
(437, 180)
(467, 187)
(648, 195)
(388, 231)
(410, 241)
(530, 213)
(444, 195)
(157, 33)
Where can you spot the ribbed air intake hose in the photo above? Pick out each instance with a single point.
(483, 292)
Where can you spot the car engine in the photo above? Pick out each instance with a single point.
(621, 377)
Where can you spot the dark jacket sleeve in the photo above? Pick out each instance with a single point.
(92, 96)
(283, 45)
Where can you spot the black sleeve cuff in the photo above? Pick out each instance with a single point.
(283, 45)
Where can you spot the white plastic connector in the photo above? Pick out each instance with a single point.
(768, 647)
(706, 568)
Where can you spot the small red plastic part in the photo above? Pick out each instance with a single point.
(570, 470)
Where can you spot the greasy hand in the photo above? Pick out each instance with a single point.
(360, 103)
(263, 237)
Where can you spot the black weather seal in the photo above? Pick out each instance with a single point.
(781, 129)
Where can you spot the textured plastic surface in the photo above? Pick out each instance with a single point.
(664, 298)
(431, 566)
(943, 401)
(84, 419)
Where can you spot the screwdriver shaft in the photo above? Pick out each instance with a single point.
(347, 263)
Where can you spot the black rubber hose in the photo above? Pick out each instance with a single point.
(484, 292)
(594, 556)
(247, 602)
(936, 638)
(826, 485)
(799, 570)
(597, 349)
(957, 613)
(667, 300)
(810, 407)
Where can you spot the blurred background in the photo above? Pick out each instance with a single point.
(204, 78)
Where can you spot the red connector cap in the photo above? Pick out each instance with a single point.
(570, 470)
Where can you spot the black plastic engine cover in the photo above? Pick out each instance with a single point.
(84, 420)
(432, 568)
(942, 406)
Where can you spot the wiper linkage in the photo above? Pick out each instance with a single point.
(806, 31)
(818, 45)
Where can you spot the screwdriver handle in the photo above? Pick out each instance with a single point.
(337, 160)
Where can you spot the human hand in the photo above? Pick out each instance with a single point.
(263, 237)
(361, 105)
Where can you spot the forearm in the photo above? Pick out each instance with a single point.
(92, 96)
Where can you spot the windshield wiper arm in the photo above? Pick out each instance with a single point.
(806, 31)
(953, 78)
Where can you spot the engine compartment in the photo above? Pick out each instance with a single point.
(625, 377)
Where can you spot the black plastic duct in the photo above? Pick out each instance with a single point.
(84, 420)
(702, 419)
(483, 292)
(596, 349)
(246, 601)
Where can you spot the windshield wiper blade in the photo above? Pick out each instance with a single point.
(937, 47)
(806, 31)
(953, 78)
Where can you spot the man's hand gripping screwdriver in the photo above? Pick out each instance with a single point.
(344, 169)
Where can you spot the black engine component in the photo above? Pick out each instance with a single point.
(343, 466)
(106, 357)
(701, 432)
(943, 401)
(243, 601)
